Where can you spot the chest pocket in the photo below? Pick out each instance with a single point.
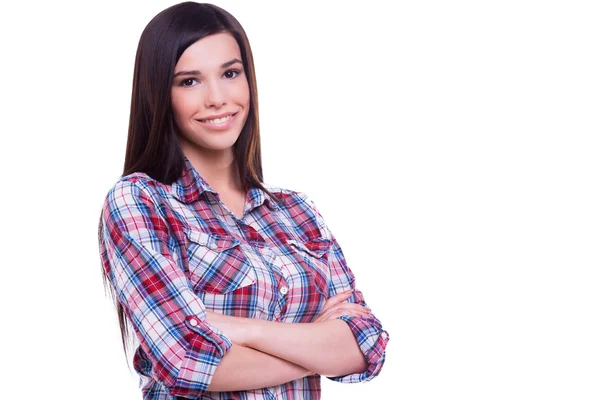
(217, 264)
(313, 256)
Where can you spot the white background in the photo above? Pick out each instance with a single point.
(452, 148)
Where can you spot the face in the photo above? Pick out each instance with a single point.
(210, 97)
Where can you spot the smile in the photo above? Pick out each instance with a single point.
(217, 120)
(219, 124)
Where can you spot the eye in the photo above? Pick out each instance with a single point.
(188, 82)
(231, 73)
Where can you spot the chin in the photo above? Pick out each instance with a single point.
(216, 145)
(213, 141)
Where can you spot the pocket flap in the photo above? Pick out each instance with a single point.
(217, 263)
(315, 247)
(212, 241)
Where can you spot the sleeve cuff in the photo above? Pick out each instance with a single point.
(210, 333)
(207, 346)
(372, 341)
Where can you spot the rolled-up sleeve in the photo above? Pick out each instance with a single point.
(143, 264)
(369, 333)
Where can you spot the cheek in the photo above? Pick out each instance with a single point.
(180, 107)
(247, 96)
(175, 105)
(243, 93)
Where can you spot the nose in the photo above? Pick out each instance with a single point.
(215, 95)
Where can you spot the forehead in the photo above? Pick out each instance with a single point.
(209, 53)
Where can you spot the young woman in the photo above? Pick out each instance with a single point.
(235, 289)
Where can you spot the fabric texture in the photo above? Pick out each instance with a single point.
(172, 252)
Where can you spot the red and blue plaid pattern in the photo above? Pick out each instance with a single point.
(174, 251)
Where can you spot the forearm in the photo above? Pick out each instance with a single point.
(244, 368)
(328, 348)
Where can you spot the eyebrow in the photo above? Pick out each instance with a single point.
(196, 72)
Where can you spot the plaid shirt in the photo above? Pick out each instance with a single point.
(174, 251)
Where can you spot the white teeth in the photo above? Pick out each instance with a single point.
(217, 120)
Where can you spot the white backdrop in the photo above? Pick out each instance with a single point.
(452, 148)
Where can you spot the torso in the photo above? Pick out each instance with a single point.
(275, 264)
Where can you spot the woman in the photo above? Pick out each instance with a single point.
(235, 289)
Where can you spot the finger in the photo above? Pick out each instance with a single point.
(327, 314)
(338, 298)
(347, 309)
(341, 309)
(348, 306)
(354, 306)
(356, 313)
(339, 313)
(336, 307)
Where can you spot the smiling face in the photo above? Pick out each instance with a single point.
(210, 97)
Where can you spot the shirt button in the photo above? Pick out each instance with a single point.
(193, 322)
(283, 290)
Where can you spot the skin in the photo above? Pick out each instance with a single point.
(212, 90)
(264, 353)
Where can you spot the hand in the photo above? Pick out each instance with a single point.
(334, 307)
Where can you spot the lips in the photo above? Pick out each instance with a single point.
(218, 118)
(219, 122)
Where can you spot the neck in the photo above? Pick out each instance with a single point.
(217, 167)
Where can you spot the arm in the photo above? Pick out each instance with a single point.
(348, 349)
(327, 347)
(368, 332)
(243, 368)
(370, 339)
(139, 258)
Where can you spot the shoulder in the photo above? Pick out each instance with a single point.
(301, 210)
(136, 188)
(289, 198)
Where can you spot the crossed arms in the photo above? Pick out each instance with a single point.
(266, 353)
(193, 350)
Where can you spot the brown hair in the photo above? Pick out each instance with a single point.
(153, 139)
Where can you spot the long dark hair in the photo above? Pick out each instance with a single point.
(153, 140)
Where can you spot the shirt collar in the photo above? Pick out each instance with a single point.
(256, 197)
(191, 184)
